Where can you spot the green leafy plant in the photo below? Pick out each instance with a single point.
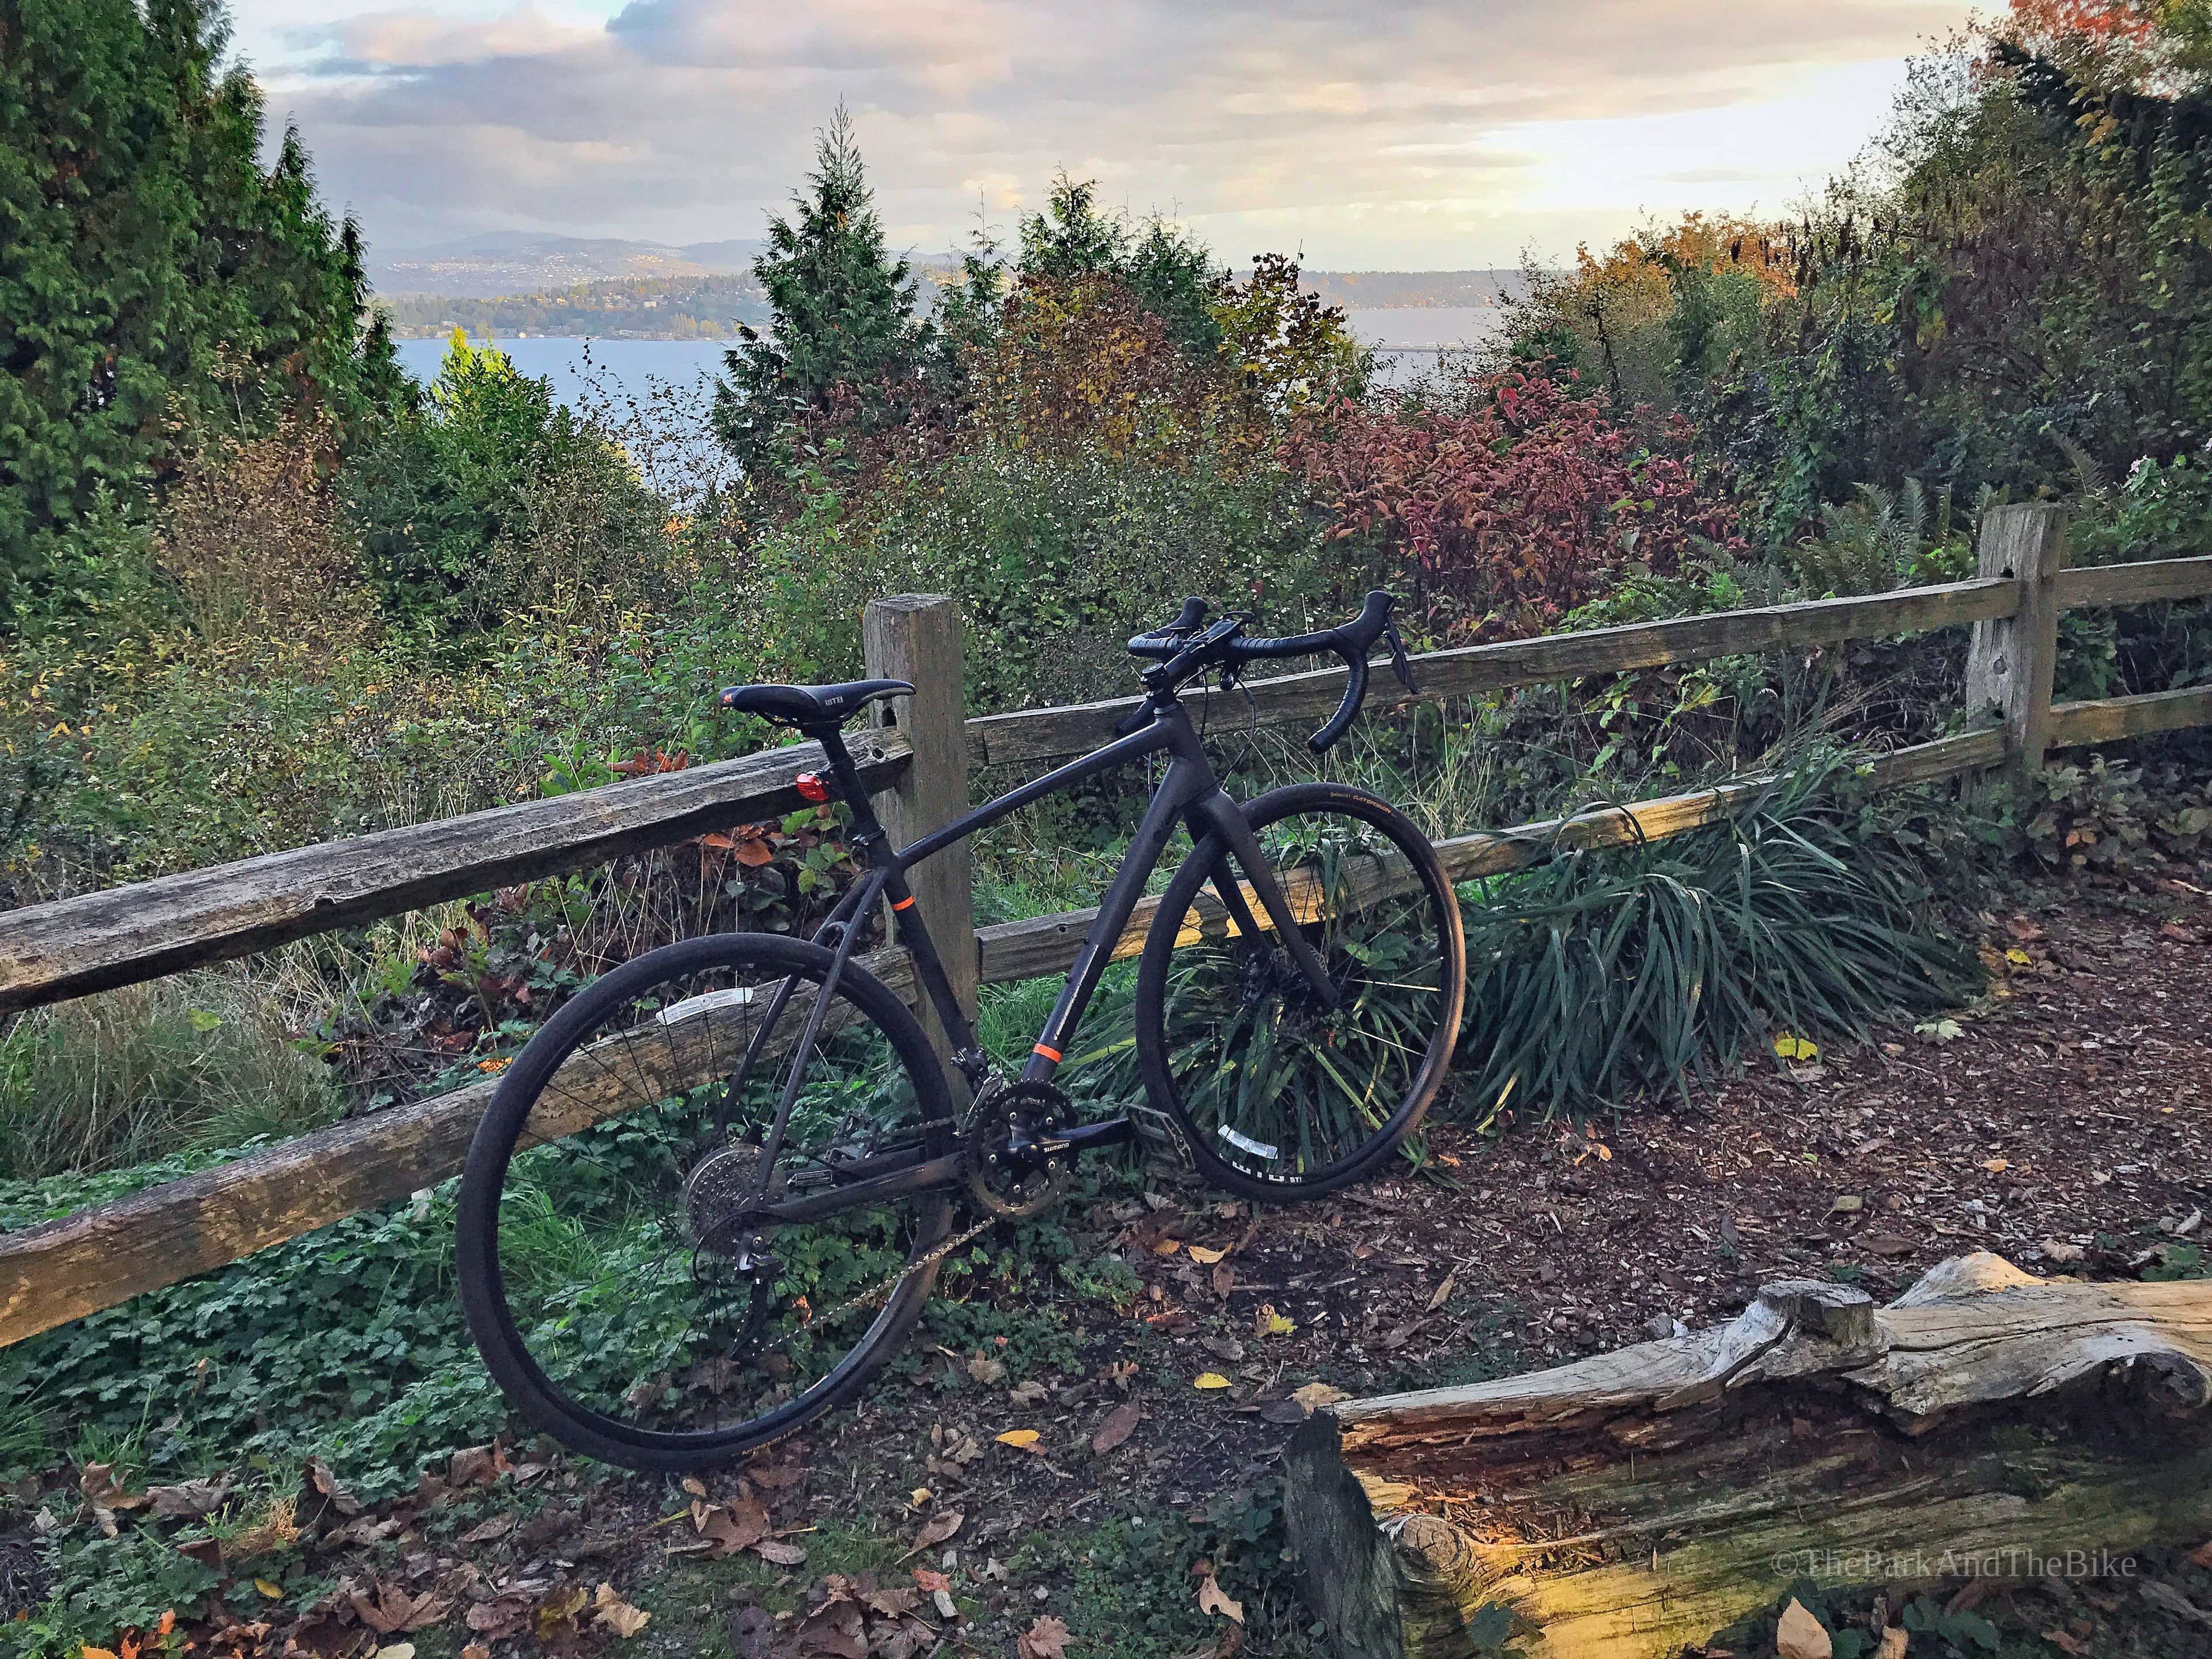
(1601, 978)
(2108, 814)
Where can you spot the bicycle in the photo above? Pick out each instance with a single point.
(704, 1170)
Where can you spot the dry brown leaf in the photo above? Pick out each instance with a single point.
(2064, 1640)
(1224, 1279)
(931, 1580)
(557, 1613)
(1799, 1635)
(776, 1552)
(1886, 1245)
(476, 1650)
(986, 1370)
(1205, 1256)
(188, 1500)
(1047, 1638)
(97, 1482)
(939, 1527)
(476, 1466)
(1443, 1292)
(617, 1615)
(498, 1526)
(1211, 1598)
(731, 1527)
(1121, 1423)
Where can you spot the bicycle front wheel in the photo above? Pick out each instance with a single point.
(622, 1273)
(1278, 1095)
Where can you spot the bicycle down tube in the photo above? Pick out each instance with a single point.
(1188, 793)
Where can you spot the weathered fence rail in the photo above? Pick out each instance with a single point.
(48, 952)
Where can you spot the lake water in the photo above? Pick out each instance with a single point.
(628, 366)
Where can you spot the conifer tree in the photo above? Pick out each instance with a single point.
(844, 329)
(151, 272)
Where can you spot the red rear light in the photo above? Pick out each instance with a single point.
(811, 788)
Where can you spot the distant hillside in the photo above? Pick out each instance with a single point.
(674, 307)
(1391, 290)
(509, 263)
(506, 283)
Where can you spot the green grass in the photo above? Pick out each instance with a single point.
(120, 1079)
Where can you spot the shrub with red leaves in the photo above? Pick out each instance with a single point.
(1504, 515)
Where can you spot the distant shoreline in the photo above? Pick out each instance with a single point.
(695, 305)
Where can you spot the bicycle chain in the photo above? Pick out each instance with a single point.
(865, 1297)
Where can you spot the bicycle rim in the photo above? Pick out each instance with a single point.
(621, 1281)
(1280, 1094)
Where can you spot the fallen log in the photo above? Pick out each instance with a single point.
(1628, 1506)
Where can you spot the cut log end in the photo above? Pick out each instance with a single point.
(1631, 1504)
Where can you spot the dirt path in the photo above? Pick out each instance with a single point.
(1146, 1355)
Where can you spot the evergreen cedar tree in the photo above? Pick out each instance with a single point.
(844, 309)
(153, 276)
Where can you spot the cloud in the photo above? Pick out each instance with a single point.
(1420, 130)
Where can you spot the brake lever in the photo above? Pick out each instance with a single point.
(1400, 663)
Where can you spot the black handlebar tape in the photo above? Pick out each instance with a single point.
(1162, 643)
(1355, 693)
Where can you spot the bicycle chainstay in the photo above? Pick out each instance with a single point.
(959, 1123)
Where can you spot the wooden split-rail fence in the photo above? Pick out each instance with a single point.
(919, 759)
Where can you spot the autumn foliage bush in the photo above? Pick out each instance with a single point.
(1503, 513)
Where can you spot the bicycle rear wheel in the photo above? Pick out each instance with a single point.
(1278, 1096)
(619, 1276)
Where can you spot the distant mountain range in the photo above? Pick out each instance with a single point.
(509, 283)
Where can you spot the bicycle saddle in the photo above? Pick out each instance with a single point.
(810, 705)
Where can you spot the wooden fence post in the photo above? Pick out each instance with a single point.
(2010, 666)
(916, 636)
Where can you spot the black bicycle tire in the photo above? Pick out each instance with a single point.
(1159, 947)
(476, 1223)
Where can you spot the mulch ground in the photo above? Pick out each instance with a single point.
(2058, 1123)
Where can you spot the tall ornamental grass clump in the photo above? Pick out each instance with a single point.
(108, 1081)
(1599, 979)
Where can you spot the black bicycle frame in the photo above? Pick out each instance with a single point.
(1187, 794)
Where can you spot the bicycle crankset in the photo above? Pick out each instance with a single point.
(1016, 1150)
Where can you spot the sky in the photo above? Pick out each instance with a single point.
(1363, 134)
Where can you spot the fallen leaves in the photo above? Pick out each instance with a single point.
(1211, 1598)
(104, 1495)
(934, 1531)
(188, 1500)
(1121, 1423)
(1209, 1380)
(1046, 1639)
(612, 1612)
(1267, 1322)
(1789, 1045)
(1020, 1439)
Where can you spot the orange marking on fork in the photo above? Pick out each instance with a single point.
(1052, 1055)
(906, 903)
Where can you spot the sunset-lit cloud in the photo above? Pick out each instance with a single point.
(1380, 134)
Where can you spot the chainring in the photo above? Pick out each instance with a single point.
(1014, 1151)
